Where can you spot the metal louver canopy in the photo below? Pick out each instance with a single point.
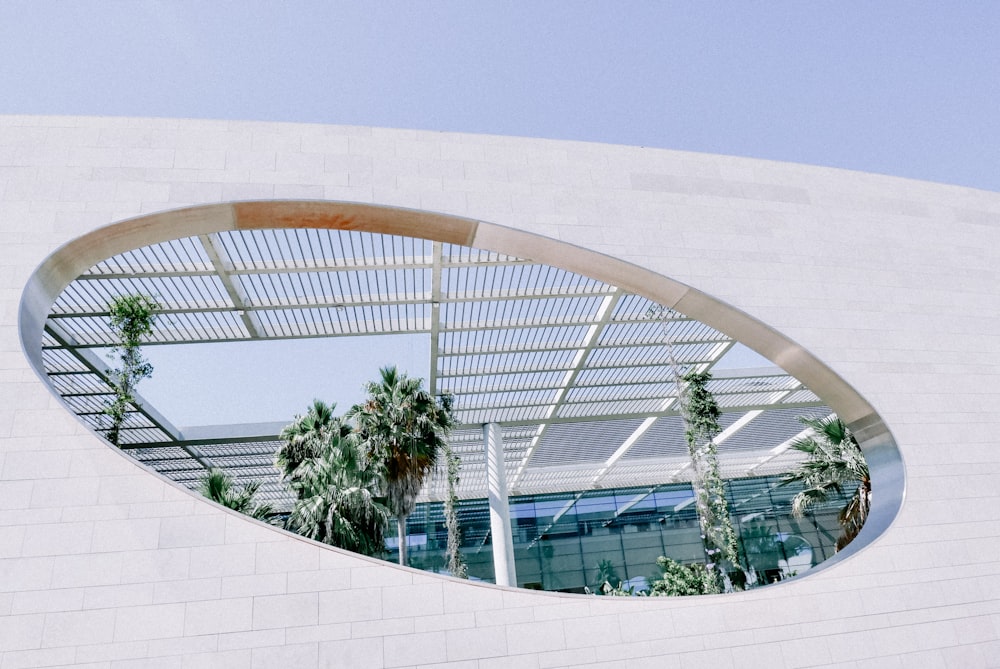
(574, 370)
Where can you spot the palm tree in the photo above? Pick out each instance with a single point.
(834, 462)
(607, 575)
(321, 461)
(307, 437)
(402, 427)
(335, 501)
(219, 487)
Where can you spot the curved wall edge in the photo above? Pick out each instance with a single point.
(77, 256)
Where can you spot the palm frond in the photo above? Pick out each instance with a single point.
(335, 501)
(834, 463)
(219, 487)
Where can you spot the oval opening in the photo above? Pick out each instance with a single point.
(570, 357)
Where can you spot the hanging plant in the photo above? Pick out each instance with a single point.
(701, 413)
(132, 319)
(456, 565)
(701, 417)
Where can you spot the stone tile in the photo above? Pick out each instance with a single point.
(291, 556)
(476, 643)
(45, 657)
(158, 565)
(218, 616)
(74, 571)
(324, 579)
(111, 596)
(78, 628)
(255, 639)
(230, 659)
(42, 601)
(155, 621)
(22, 632)
(285, 610)
(350, 605)
(188, 590)
(212, 561)
(126, 535)
(301, 656)
(406, 601)
(535, 637)
(254, 584)
(355, 653)
(315, 633)
(413, 649)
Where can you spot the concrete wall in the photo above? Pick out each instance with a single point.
(891, 283)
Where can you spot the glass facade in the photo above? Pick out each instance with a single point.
(571, 541)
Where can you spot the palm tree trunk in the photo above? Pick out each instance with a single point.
(401, 533)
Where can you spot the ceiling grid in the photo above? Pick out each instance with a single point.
(573, 369)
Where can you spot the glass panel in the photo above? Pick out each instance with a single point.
(571, 542)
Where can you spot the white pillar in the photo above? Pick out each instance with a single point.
(496, 485)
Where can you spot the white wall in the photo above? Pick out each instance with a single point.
(892, 283)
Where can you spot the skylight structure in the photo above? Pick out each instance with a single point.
(573, 370)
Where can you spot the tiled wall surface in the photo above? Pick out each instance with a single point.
(894, 284)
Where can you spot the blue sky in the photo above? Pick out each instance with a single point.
(271, 381)
(904, 88)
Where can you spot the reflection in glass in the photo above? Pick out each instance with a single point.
(569, 542)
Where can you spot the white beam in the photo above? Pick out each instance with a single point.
(496, 487)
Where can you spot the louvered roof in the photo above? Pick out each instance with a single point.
(576, 372)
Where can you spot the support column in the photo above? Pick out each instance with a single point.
(496, 485)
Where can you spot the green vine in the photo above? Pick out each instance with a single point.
(701, 418)
(456, 565)
(132, 320)
(701, 413)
